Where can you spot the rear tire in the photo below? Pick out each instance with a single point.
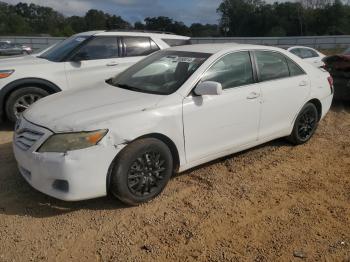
(19, 100)
(141, 171)
(305, 125)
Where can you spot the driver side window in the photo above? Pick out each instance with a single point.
(231, 71)
(99, 48)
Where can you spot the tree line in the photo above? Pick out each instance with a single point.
(306, 17)
(237, 18)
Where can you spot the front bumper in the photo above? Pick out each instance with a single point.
(72, 176)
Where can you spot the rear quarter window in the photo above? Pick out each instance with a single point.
(294, 69)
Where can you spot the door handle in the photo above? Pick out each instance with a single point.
(253, 95)
(112, 64)
(303, 83)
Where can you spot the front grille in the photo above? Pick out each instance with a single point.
(26, 138)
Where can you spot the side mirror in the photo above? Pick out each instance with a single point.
(209, 88)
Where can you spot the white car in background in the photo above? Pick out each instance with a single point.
(308, 54)
(81, 60)
(172, 111)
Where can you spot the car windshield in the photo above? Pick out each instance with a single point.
(61, 50)
(161, 73)
(347, 51)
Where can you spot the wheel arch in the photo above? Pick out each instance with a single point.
(165, 139)
(318, 105)
(26, 82)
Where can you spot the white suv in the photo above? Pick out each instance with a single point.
(81, 60)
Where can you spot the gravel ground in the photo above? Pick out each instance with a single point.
(274, 202)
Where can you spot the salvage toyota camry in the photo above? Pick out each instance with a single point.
(174, 110)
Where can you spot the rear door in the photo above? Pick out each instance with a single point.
(284, 88)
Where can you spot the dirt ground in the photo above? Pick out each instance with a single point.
(275, 202)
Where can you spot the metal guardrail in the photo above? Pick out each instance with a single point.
(36, 43)
(318, 42)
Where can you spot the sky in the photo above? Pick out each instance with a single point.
(187, 11)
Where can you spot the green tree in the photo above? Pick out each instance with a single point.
(200, 30)
(95, 20)
(77, 23)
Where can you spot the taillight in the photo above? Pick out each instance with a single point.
(331, 83)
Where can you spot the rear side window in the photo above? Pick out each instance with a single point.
(294, 69)
(271, 65)
(139, 46)
(296, 51)
(231, 71)
(308, 53)
(99, 48)
(304, 53)
(177, 42)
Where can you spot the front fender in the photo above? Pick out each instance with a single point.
(164, 121)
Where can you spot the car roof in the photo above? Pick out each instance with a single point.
(300, 46)
(163, 35)
(216, 48)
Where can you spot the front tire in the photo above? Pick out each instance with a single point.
(305, 125)
(21, 99)
(141, 171)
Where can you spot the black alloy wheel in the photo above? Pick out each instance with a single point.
(141, 171)
(305, 125)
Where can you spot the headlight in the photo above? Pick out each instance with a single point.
(6, 73)
(61, 143)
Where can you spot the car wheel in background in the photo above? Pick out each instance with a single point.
(305, 125)
(21, 99)
(141, 171)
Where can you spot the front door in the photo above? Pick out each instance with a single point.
(215, 124)
(95, 62)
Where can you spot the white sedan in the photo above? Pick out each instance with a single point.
(172, 111)
(310, 55)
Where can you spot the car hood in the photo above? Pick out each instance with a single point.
(81, 109)
(20, 61)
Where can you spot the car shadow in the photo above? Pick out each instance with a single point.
(17, 197)
(281, 142)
